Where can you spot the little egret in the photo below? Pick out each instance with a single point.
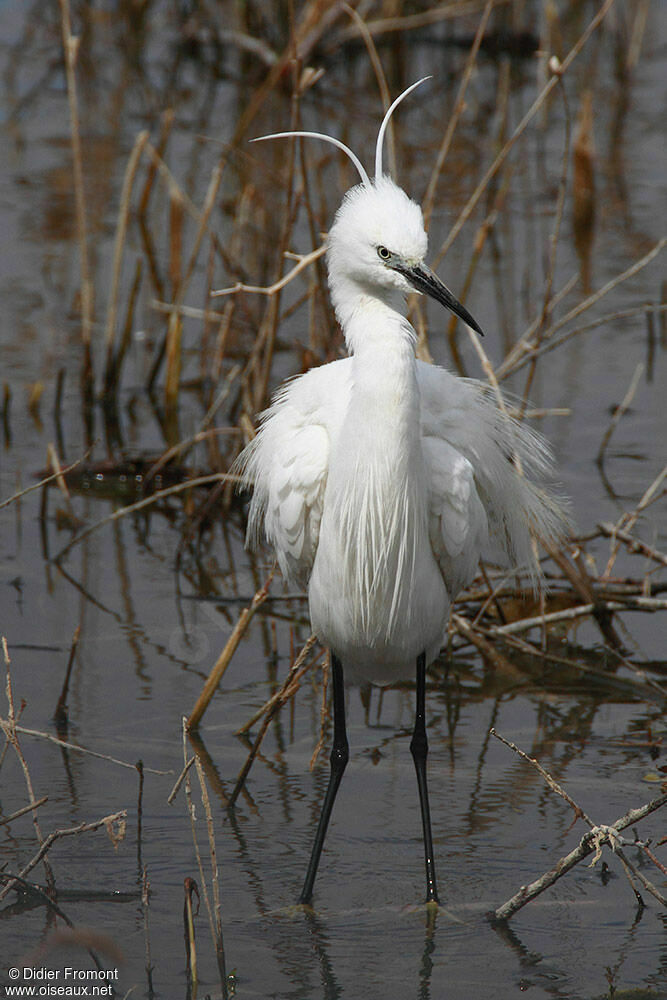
(379, 479)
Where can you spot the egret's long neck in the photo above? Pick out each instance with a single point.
(383, 415)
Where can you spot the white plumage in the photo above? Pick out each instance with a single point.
(379, 480)
(387, 494)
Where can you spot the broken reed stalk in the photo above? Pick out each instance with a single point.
(486, 648)
(71, 49)
(223, 661)
(60, 714)
(140, 813)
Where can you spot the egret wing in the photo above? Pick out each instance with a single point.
(457, 520)
(491, 476)
(287, 464)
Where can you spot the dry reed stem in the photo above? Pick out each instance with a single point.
(634, 545)
(166, 125)
(180, 779)
(215, 916)
(71, 47)
(475, 636)
(126, 335)
(509, 364)
(303, 260)
(551, 782)
(648, 604)
(383, 87)
(225, 658)
(295, 673)
(145, 905)
(215, 920)
(190, 889)
(411, 22)
(553, 248)
(119, 245)
(551, 345)
(173, 378)
(288, 689)
(459, 107)
(6, 820)
(629, 518)
(60, 714)
(495, 166)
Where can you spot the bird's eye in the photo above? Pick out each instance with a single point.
(383, 253)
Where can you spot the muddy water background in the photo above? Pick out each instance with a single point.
(152, 625)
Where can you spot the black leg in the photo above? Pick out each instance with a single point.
(339, 757)
(419, 750)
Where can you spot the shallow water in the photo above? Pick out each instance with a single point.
(151, 628)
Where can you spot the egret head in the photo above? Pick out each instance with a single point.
(377, 243)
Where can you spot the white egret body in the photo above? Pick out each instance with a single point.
(379, 479)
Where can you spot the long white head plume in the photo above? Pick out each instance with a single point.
(326, 138)
(365, 180)
(385, 121)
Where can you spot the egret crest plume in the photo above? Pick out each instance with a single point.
(385, 121)
(325, 138)
(365, 180)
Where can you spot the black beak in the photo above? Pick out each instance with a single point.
(423, 279)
